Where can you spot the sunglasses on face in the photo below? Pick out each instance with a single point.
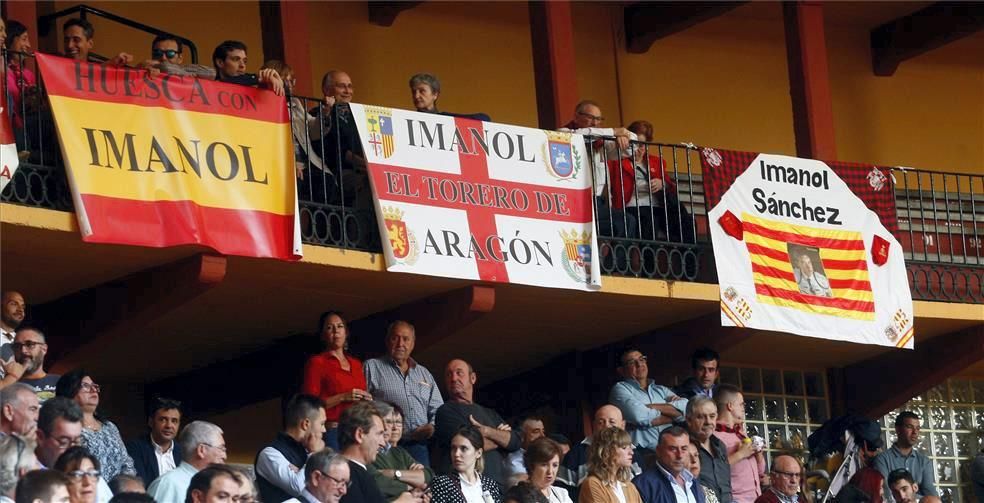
(168, 53)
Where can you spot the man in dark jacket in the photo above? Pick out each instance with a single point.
(155, 454)
(670, 480)
(704, 363)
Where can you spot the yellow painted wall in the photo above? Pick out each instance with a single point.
(206, 23)
(480, 51)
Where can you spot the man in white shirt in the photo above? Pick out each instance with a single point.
(670, 478)
(202, 444)
(157, 453)
(326, 476)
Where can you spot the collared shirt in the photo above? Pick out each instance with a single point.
(276, 469)
(683, 494)
(416, 392)
(715, 471)
(916, 462)
(165, 459)
(305, 497)
(609, 151)
(174, 485)
(633, 402)
(745, 475)
(785, 499)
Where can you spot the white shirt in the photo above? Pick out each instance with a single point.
(619, 492)
(472, 492)
(165, 459)
(274, 467)
(305, 497)
(682, 494)
(559, 495)
(609, 153)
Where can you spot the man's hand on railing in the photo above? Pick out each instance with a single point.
(121, 59)
(272, 79)
(622, 137)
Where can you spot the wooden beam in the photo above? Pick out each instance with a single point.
(922, 31)
(85, 322)
(384, 13)
(552, 36)
(903, 374)
(287, 37)
(809, 80)
(647, 22)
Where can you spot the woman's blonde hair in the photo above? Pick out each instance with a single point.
(601, 460)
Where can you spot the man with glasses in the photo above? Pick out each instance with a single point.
(786, 475)
(903, 454)
(30, 348)
(648, 408)
(201, 444)
(326, 476)
(156, 453)
(59, 427)
(280, 465)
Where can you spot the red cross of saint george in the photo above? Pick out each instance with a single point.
(474, 172)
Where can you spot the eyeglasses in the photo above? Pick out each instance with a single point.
(30, 345)
(66, 442)
(90, 387)
(77, 475)
(592, 117)
(168, 53)
(219, 447)
(788, 475)
(632, 363)
(341, 482)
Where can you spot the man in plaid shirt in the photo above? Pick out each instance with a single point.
(399, 379)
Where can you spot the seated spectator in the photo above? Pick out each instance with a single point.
(127, 484)
(669, 479)
(403, 381)
(709, 495)
(132, 498)
(82, 469)
(361, 435)
(425, 89)
(156, 453)
(326, 476)
(19, 412)
(562, 441)
(248, 492)
(30, 348)
(78, 40)
(786, 475)
(574, 467)
(304, 127)
(212, 484)
(396, 470)
(45, 486)
(704, 363)
(16, 459)
(339, 146)
(334, 376)
(542, 461)
(524, 492)
(866, 486)
(609, 469)
(466, 482)
(715, 470)
(530, 429)
(747, 462)
(202, 444)
(100, 436)
(460, 410)
(649, 408)
(229, 60)
(280, 465)
(587, 121)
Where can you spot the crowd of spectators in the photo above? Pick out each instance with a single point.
(382, 431)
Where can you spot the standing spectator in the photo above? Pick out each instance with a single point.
(339, 146)
(609, 469)
(16, 459)
(786, 475)
(100, 436)
(334, 376)
(649, 408)
(709, 495)
(669, 479)
(202, 444)
(82, 469)
(461, 410)
(466, 483)
(19, 410)
(542, 461)
(396, 470)
(280, 465)
(212, 484)
(715, 470)
(327, 478)
(530, 429)
(46, 486)
(229, 60)
(399, 379)
(30, 349)
(12, 311)
(156, 453)
(704, 363)
(903, 454)
(78, 40)
(361, 435)
(747, 463)
(425, 89)
(21, 81)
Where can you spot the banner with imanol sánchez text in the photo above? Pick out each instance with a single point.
(798, 251)
(461, 198)
(171, 160)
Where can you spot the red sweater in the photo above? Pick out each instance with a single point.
(623, 184)
(324, 377)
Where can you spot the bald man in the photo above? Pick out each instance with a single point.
(786, 474)
(574, 468)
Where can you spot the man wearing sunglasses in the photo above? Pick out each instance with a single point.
(166, 49)
(30, 348)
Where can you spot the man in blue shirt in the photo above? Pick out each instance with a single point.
(903, 454)
(670, 480)
(648, 408)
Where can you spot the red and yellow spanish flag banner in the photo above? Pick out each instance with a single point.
(173, 160)
(798, 251)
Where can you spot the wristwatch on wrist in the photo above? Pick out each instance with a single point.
(397, 474)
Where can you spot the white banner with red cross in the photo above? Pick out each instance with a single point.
(461, 198)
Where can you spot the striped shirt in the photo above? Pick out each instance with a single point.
(416, 393)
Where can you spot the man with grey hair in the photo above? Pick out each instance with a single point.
(202, 444)
(16, 459)
(326, 476)
(399, 379)
(715, 471)
(19, 407)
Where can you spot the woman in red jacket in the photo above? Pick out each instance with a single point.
(334, 375)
